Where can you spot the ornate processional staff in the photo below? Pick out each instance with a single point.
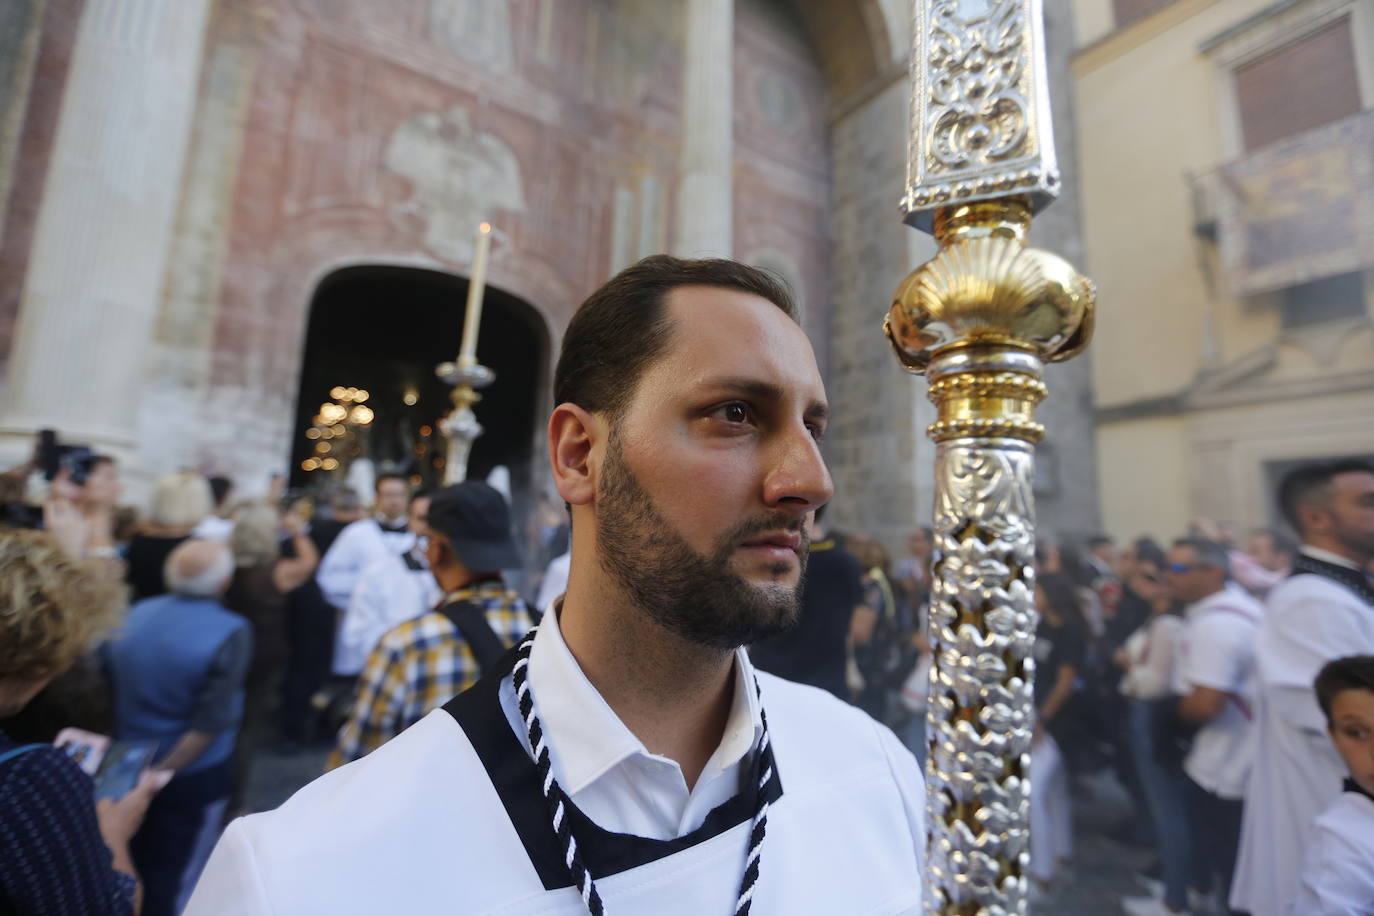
(979, 321)
(466, 375)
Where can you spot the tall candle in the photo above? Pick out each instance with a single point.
(472, 321)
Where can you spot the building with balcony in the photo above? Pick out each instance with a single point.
(1226, 156)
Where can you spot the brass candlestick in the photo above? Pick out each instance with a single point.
(979, 321)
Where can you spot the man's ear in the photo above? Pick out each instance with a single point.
(573, 436)
(434, 550)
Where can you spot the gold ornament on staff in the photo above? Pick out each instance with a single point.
(465, 374)
(979, 321)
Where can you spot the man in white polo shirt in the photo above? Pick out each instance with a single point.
(627, 758)
(1215, 676)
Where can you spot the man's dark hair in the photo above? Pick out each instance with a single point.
(624, 326)
(1354, 672)
(97, 460)
(219, 489)
(1208, 553)
(1309, 484)
(421, 493)
(1148, 550)
(1100, 540)
(1280, 540)
(390, 475)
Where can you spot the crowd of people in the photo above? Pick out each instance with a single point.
(1188, 671)
(1230, 687)
(206, 630)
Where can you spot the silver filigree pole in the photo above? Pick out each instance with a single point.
(979, 321)
(461, 426)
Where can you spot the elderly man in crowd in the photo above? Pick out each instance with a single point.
(177, 670)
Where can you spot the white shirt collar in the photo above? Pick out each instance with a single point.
(1327, 556)
(587, 736)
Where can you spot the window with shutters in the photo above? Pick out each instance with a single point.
(1298, 87)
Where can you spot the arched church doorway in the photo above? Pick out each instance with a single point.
(374, 337)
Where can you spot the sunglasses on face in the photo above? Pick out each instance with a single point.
(1181, 567)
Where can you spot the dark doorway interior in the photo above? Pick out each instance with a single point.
(384, 329)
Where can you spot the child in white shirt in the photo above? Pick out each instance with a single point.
(1337, 876)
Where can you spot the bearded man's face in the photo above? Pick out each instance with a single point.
(700, 597)
(709, 473)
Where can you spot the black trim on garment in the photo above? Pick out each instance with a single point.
(513, 775)
(1352, 579)
(1351, 785)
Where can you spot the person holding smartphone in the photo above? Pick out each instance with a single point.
(63, 851)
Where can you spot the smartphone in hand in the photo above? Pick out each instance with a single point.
(124, 762)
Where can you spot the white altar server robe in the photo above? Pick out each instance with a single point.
(388, 593)
(1309, 620)
(446, 817)
(358, 545)
(1337, 877)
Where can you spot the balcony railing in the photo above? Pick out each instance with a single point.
(1296, 211)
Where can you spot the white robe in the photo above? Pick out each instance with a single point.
(388, 593)
(358, 545)
(1296, 773)
(1338, 876)
(417, 826)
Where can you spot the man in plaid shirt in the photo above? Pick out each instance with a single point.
(423, 663)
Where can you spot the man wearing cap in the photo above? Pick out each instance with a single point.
(424, 662)
(626, 757)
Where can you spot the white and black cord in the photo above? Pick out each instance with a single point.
(558, 801)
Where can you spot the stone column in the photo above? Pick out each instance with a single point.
(704, 171)
(95, 273)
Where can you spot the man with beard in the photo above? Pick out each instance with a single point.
(626, 757)
(1324, 611)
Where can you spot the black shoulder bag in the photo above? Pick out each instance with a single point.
(471, 620)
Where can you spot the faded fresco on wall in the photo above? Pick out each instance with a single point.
(370, 136)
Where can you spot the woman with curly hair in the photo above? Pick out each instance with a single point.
(63, 852)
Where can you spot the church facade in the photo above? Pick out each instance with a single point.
(205, 201)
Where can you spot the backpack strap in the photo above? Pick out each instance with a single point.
(471, 620)
(16, 751)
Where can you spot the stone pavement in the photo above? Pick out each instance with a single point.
(1103, 865)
